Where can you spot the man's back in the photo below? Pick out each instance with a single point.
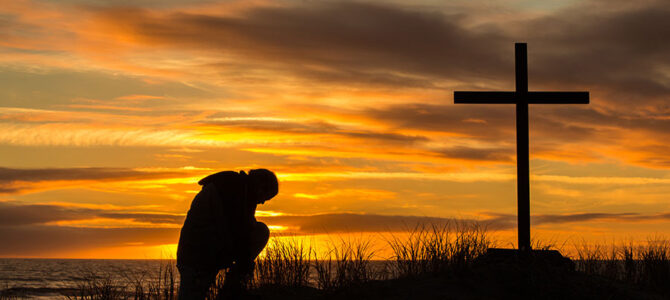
(216, 221)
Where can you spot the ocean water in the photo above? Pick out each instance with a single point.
(50, 278)
(53, 278)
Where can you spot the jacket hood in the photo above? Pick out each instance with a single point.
(222, 176)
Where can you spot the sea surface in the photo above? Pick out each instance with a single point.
(50, 278)
(54, 278)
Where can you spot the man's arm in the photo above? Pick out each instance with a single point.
(247, 223)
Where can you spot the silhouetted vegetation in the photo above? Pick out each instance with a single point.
(647, 266)
(437, 249)
(441, 257)
(347, 264)
(286, 263)
(142, 286)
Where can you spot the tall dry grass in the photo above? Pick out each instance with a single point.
(646, 265)
(286, 263)
(435, 249)
(347, 264)
(138, 286)
(427, 250)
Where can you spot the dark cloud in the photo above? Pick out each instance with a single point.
(621, 52)
(12, 214)
(36, 214)
(586, 217)
(583, 217)
(551, 128)
(480, 154)
(496, 123)
(656, 124)
(46, 240)
(351, 41)
(349, 222)
(23, 231)
(33, 175)
(565, 125)
(16, 180)
(486, 121)
(15, 215)
(156, 218)
(555, 129)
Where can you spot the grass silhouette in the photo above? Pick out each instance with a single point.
(436, 261)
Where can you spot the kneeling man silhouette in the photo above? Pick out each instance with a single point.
(221, 231)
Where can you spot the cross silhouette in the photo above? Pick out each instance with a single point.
(522, 97)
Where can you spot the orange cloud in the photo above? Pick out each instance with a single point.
(22, 180)
(335, 105)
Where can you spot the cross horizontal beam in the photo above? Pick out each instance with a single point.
(528, 97)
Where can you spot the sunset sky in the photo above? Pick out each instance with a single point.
(111, 111)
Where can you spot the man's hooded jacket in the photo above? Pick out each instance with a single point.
(218, 224)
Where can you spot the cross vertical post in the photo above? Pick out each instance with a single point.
(522, 147)
(522, 98)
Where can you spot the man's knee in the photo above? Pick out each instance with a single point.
(259, 237)
(262, 232)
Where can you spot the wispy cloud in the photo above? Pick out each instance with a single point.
(395, 44)
(348, 101)
(362, 48)
(46, 240)
(41, 214)
(17, 180)
(456, 177)
(600, 180)
(15, 214)
(287, 126)
(29, 229)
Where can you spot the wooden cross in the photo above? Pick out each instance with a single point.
(522, 97)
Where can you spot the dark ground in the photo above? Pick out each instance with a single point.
(488, 278)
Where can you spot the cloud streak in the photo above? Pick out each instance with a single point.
(352, 41)
(392, 44)
(29, 229)
(286, 127)
(14, 180)
(14, 214)
(346, 44)
(45, 240)
(349, 101)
